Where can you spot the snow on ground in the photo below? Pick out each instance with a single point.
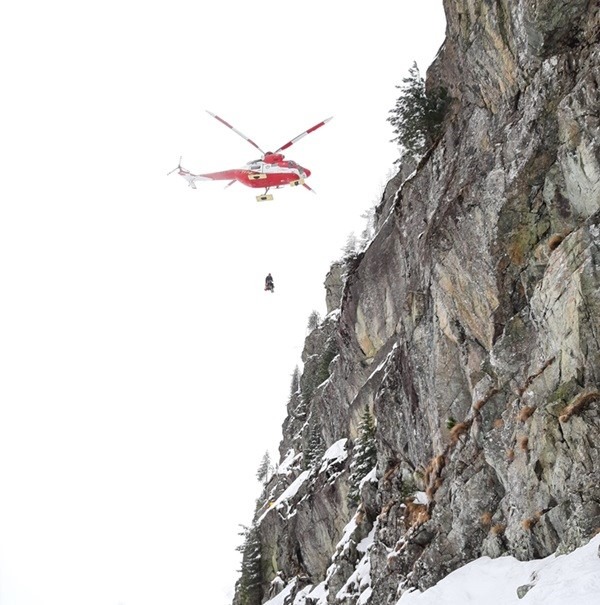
(383, 363)
(337, 452)
(572, 579)
(364, 544)
(280, 598)
(348, 531)
(292, 490)
(421, 498)
(319, 594)
(300, 598)
(286, 466)
(370, 476)
(289, 493)
(360, 579)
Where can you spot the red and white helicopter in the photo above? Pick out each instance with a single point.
(270, 171)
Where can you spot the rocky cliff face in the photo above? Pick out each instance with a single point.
(470, 327)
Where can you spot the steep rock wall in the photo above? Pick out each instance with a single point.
(470, 326)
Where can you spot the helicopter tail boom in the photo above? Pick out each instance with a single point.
(188, 176)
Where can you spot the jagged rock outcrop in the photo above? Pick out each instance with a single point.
(470, 326)
(334, 286)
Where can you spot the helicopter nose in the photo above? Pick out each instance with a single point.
(305, 172)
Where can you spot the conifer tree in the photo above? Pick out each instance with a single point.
(369, 229)
(314, 319)
(364, 455)
(263, 474)
(249, 584)
(295, 385)
(296, 401)
(351, 246)
(417, 115)
(316, 448)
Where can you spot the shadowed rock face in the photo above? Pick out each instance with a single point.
(470, 326)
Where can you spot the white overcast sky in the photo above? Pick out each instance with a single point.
(143, 370)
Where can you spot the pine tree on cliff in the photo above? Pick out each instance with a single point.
(316, 448)
(314, 319)
(265, 470)
(248, 587)
(295, 384)
(418, 114)
(364, 455)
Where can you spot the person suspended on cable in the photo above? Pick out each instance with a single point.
(269, 285)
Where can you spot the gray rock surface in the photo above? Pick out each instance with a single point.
(476, 307)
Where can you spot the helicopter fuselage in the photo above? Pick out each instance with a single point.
(260, 174)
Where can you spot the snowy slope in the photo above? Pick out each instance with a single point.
(555, 580)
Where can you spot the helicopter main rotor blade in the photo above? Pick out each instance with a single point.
(300, 136)
(309, 188)
(236, 131)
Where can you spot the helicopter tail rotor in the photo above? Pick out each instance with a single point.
(177, 168)
(187, 175)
